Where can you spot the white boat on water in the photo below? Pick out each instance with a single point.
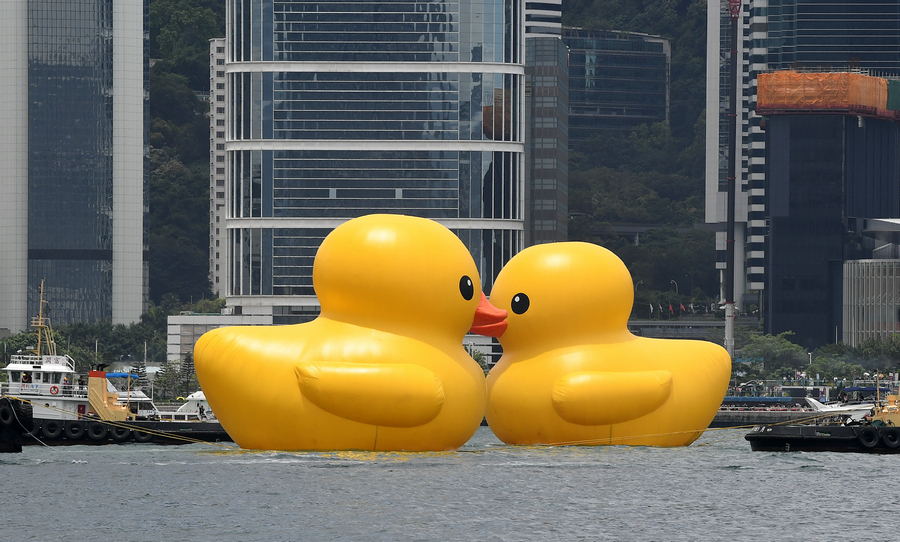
(195, 407)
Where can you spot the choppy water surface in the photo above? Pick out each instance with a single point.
(716, 489)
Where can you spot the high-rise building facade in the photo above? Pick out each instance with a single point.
(73, 79)
(810, 35)
(617, 81)
(337, 110)
(547, 154)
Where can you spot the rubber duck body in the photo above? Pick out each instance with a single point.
(572, 373)
(381, 368)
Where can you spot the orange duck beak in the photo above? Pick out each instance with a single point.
(489, 320)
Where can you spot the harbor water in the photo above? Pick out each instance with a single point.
(715, 489)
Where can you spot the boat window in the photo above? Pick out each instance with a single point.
(14, 376)
(54, 378)
(133, 407)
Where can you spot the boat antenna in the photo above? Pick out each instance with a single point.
(44, 331)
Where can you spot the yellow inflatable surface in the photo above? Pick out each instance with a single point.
(381, 368)
(572, 373)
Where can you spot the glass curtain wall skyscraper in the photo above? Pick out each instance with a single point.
(806, 35)
(72, 197)
(342, 109)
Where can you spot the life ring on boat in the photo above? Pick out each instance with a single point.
(74, 430)
(120, 433)
(890, 436)
(6, 414)
(868, 437)
(96, 431)
(51, 429)
(54, 390)
(140, 436)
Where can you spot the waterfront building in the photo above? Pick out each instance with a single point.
(217, 160)
(617, 81)
(803, 35)
(337, 110)
(833, 205)
(547, 153)
(543, 19)
(73, 80)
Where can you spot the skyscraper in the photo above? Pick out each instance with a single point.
(812, 35)
(337, 110)
(72, 146)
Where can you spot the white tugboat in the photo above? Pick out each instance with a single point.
(68, 409)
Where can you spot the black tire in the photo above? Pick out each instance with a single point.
(119, 434)
(96, 431)
(868, 437)
(74, 430)
(140, 436)
(51, 429)
(6, 415)
(890, 436)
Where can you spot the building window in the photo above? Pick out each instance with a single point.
(220, 49)
(220, 62)
(220, 146)
(220, 158)
(219, 195)
(220, 171)
(220, 74)
(220, 86)
(220, 122)
(220, 110)
(220, 134)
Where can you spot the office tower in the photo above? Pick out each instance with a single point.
(547, 155)
(337, 110)
(543, 19)
(72, 199)
(617, 81)
(805, 35)
(217, 211)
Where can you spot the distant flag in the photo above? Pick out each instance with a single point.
(651, 308)
(660, 306)
(682, 308)
(671, 310)
(692, 307)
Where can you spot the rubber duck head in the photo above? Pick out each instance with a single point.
(397, 273)
(560, 294)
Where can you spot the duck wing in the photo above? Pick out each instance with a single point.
(385, 394)
(604, 398)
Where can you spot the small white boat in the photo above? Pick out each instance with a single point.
(195, 408)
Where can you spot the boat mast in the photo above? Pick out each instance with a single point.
(43, 328)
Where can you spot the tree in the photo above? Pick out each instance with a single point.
(778, 356)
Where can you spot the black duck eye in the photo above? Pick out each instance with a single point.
(519, 303)
(466, 288)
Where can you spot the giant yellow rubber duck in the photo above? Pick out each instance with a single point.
(381, 368)
(572, 373)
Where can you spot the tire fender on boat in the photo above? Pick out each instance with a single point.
(140, 436)
(119, 433)
(868, 437)
(6, 415)
(890, 436)
(51, 429)
(74, 430)
(96, 431)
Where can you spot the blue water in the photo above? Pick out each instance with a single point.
(716, 489)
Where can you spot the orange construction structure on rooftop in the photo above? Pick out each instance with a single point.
(788, 92)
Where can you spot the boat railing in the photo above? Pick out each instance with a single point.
(31, 359)
(44, 389)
